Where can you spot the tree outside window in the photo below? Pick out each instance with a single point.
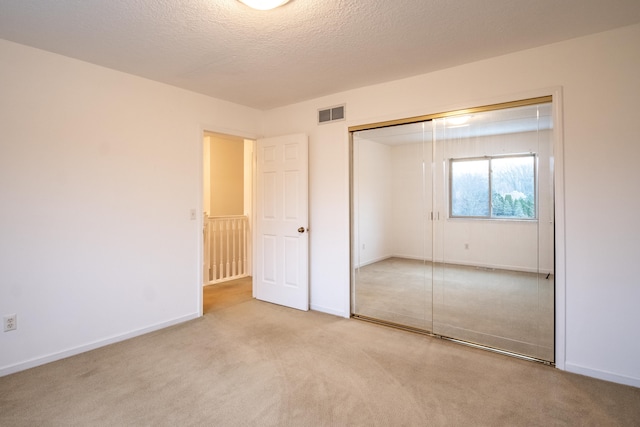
(510, 180)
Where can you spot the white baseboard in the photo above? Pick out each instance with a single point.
(500, 267)
(602, 375)
(373, 261)
(458, 262)
(328, 310)
(32, 363)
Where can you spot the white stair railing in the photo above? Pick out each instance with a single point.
(226, 240)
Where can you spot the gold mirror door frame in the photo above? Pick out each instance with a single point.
(425, 258)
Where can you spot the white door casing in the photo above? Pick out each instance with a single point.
(282, 244)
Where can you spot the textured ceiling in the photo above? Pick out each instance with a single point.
(305, 49)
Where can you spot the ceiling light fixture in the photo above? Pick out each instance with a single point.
(458, 120)
(264, 4)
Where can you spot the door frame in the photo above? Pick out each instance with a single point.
(559, 195)
(200, 202)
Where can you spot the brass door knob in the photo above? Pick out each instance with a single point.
(301, 230)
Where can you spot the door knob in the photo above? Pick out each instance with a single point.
(301, 230)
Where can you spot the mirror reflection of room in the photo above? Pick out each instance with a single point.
(453, 227)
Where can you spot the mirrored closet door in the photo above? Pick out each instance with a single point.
(392, 238)
(452, 226)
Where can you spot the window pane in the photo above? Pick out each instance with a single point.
(513, 187)
(470, 188)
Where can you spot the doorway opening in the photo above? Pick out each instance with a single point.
(227, 219)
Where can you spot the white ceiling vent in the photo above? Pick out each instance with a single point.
(331, 114)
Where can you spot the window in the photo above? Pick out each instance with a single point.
(493, 187)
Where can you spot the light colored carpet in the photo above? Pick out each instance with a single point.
(226, 294)
(250, 363)
(504, 309)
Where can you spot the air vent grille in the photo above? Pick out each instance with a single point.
(331, 114)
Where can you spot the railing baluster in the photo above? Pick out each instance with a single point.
(212, 242)
(225, 248)
(205, 255)
(220, 257)
(244, 246)
(235, 238)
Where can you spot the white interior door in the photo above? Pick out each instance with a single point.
(282, 247)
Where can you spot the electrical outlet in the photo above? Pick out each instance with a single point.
(192, 214)
(466, 246)
(10, 322)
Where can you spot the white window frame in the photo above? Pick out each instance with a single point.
(490, 178)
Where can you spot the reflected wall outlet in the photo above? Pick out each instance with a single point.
(10, 322)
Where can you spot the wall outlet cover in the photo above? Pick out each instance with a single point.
(10, 322)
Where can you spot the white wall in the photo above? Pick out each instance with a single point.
(598, 75)
(372, 203)
(99, 172)
(412, 201)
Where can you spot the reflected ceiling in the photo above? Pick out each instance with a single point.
(498, 122)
